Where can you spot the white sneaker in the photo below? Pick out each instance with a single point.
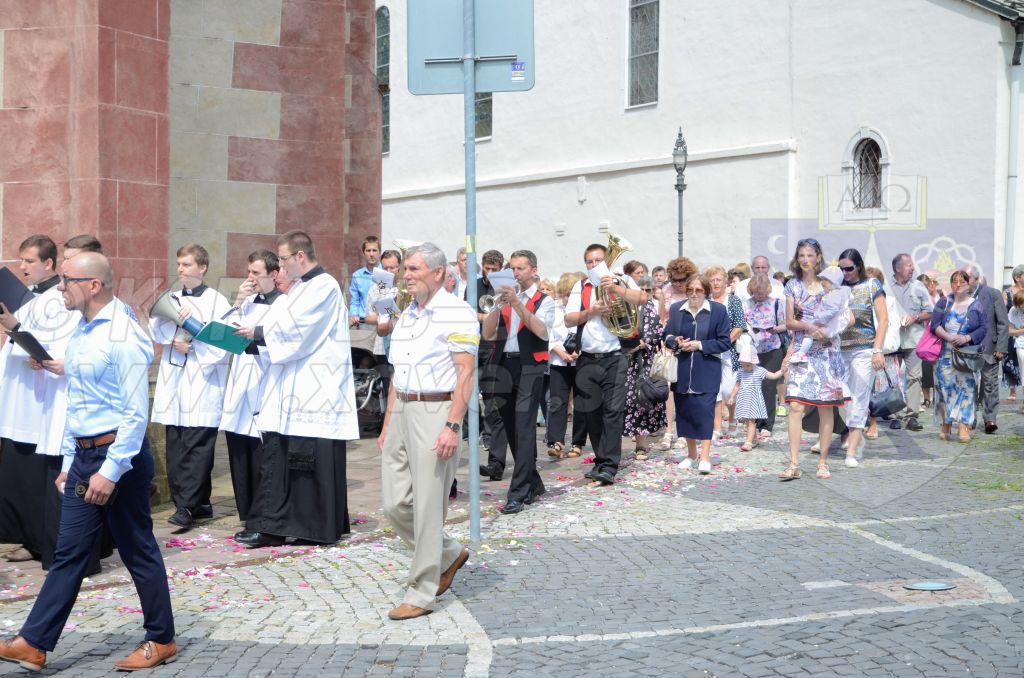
(685, 465)
(704, 467)
(798, 357)
(851, 462)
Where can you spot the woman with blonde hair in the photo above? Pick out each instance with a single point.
(679, 271)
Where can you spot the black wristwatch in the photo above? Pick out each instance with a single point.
(454, 426)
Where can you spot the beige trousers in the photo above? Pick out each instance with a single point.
(415, 492)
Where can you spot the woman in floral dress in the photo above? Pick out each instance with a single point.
(643, 420)
(819, 381)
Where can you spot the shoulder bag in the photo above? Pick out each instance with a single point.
(886, 402)
(929, 346)
(665, 367)
(966, 358)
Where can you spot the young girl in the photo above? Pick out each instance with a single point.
(833, 312)
(746, 395)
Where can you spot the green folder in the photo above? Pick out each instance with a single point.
(223, 336)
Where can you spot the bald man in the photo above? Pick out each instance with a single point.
(106, 472)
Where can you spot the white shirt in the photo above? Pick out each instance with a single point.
(192, 395)
(34, 401)
(545, 311)
(308, 389)
(372, 297)
(245, 379)
(557, 335)
(596, 337)
(425, 338)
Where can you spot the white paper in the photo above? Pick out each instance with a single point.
(595, 274)
(386, 306)
(382, 277)
(499, 279)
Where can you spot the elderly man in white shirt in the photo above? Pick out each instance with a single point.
(433, 350)
(760, 264)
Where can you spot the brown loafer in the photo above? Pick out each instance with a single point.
(448, 575)
(147, 655)
(407, 611)
(23, 654)
(20, 555)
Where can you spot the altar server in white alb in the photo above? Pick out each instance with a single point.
(307, 410)
(33, 409)
(242, 397)
(190, 389)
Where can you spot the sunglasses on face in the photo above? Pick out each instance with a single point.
(847, 269)
(679, 281)
(808, 241)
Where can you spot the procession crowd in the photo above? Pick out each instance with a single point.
(673, 357)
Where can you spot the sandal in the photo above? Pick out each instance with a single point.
(666, 441)
(792, 472)
(823, 472)
(555, 451)
(576, 451)
(748, 446)
(679, 444)
(640, 454)
(944, 431)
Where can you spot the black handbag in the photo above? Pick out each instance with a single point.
(651, 392)
(887, 402)
(966, 358)
(572, 343)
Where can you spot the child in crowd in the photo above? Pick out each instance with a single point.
(746, 395)
(833, 313)
(1016, 318)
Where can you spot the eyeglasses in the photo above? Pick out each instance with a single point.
(286, 258)
(807, 241)
(646, 289)
(64, 280)
(847, 269)
(695, 290)
(679, 281)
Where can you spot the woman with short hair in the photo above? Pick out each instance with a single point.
(730, 366)
(766, 317)
(679, 270)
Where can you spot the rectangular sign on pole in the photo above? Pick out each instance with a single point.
(503, 33)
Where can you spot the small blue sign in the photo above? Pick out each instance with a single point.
(518, 71)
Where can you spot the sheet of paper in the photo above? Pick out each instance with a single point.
(382, 277)
(595, 274)
(499, 279)
(386, 306)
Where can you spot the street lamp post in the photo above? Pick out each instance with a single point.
(679, 162)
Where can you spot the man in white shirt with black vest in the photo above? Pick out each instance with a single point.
(433, 348)
(523, 320)
(601, 367)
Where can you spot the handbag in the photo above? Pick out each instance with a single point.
(966, 358)
(665, 367)
(572, 343)
(929, 346)
(652, 392)
(886, 402)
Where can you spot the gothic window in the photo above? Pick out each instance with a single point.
(867, 175)
(643, 52)
(384, 74)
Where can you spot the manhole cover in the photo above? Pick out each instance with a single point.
(929, 586)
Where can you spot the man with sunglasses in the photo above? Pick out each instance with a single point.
(104, 449)
(34, 409)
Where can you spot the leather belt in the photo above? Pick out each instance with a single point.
(98, 441)
(598, 356)
(438, 397)
(511, 354)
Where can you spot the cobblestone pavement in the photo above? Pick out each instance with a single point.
(664, 573)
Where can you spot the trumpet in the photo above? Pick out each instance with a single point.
(402, 296)
(489, 302)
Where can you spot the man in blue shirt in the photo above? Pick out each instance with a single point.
(106, 471)
(361, 281)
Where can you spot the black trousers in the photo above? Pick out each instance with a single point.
(245, 454)
(189, 464)
(601, 397)
(561, 383)
(771, 361)
(495, 385)
(519, 407)
(129, 520)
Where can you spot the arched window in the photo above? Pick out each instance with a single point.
(384, 74)
(867, 175)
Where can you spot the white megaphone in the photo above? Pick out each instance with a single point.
(166, 306)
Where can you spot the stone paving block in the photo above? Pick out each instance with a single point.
(201, 62)
(239, 112)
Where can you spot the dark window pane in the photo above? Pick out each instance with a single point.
(867, 175)
(643, 79)
(643, 29)
(484, 113)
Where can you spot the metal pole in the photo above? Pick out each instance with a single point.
(680, 192)
(469, 109)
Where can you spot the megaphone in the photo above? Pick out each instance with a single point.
(166, 306)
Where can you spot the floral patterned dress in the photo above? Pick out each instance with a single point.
(956, 389)
(819, 381)
(642, 420)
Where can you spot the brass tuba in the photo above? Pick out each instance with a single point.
(403, 298)
(624, 319)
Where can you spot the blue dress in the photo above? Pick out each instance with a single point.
(749, 399)
(956, 389)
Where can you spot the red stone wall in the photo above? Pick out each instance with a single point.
(84, 129)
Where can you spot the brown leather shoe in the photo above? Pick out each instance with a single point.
(23, 654)
(21, 555)
(147, 655)
(448, 575)
(407, 611)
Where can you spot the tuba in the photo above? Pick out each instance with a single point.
(403, 298)
(624, 319)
